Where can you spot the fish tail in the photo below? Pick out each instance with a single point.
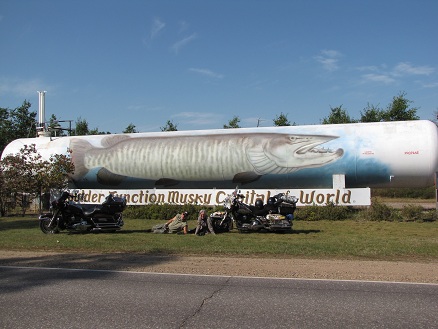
(79, 148)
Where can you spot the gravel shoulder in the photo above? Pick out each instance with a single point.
(396, 271)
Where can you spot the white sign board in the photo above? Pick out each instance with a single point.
(214, 197)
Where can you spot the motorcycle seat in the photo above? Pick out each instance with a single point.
(90, 212)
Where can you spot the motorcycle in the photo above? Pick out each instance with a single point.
(67, 214)
(275, 216)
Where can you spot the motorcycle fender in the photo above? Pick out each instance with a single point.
(45, 216)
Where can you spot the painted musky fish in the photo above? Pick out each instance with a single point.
(167, 160)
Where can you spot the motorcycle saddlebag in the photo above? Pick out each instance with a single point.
(115, 204)
(287, 209)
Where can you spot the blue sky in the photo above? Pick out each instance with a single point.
(200, 62)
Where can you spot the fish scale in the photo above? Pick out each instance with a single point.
(205, 155)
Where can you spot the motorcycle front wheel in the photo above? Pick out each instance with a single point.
(46, 229)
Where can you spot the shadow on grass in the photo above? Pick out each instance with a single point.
(305, 231)
(122, 231)
(30, 223)
(8, 224)
(287, 232)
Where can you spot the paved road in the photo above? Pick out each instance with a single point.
(66, 298)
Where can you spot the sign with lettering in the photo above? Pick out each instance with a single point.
(214, 197)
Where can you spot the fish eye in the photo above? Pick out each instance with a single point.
(296, 139)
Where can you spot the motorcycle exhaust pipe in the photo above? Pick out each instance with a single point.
(82, 226)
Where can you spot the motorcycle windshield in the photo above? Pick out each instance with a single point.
(55, 194)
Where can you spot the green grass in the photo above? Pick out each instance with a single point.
(320, 239)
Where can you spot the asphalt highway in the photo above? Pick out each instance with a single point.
(68, 298)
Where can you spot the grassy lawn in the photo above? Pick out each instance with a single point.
(320, 239)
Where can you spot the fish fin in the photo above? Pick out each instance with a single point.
(246, 177)
(113, 140)
(106, 177)
(263, 165)
(166, 182)
(79, 147)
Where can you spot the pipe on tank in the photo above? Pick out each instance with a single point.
(41, 129)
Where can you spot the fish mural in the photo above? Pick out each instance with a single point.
(167, 160)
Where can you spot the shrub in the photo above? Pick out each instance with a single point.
(328, 212)
(379, 211)
(414, 193)
(376, 212)
(412, 213)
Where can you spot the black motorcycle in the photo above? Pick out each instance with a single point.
(67, 214)
(274, 216)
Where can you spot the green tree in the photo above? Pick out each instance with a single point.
(371, 114)
(55, 128)
(26, 175)
(95, 131)
(130, 129)
(399, 109)
(83, 130)
(233, 123)
(282, 120)
(16, 123)
(23, 121)
(81, 127)
(5, 128)
(338, 115)
(170, 126)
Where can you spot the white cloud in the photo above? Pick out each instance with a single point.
(430, 85)
(199, 118)
(407, 68)
(207, 73)
(157, 27)
(144, 108)
(399, 71)
(329, 59)
(183, 42)
(331, 53)
(368, 68)
(21, 88)
(183, 26)
(384, 78)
